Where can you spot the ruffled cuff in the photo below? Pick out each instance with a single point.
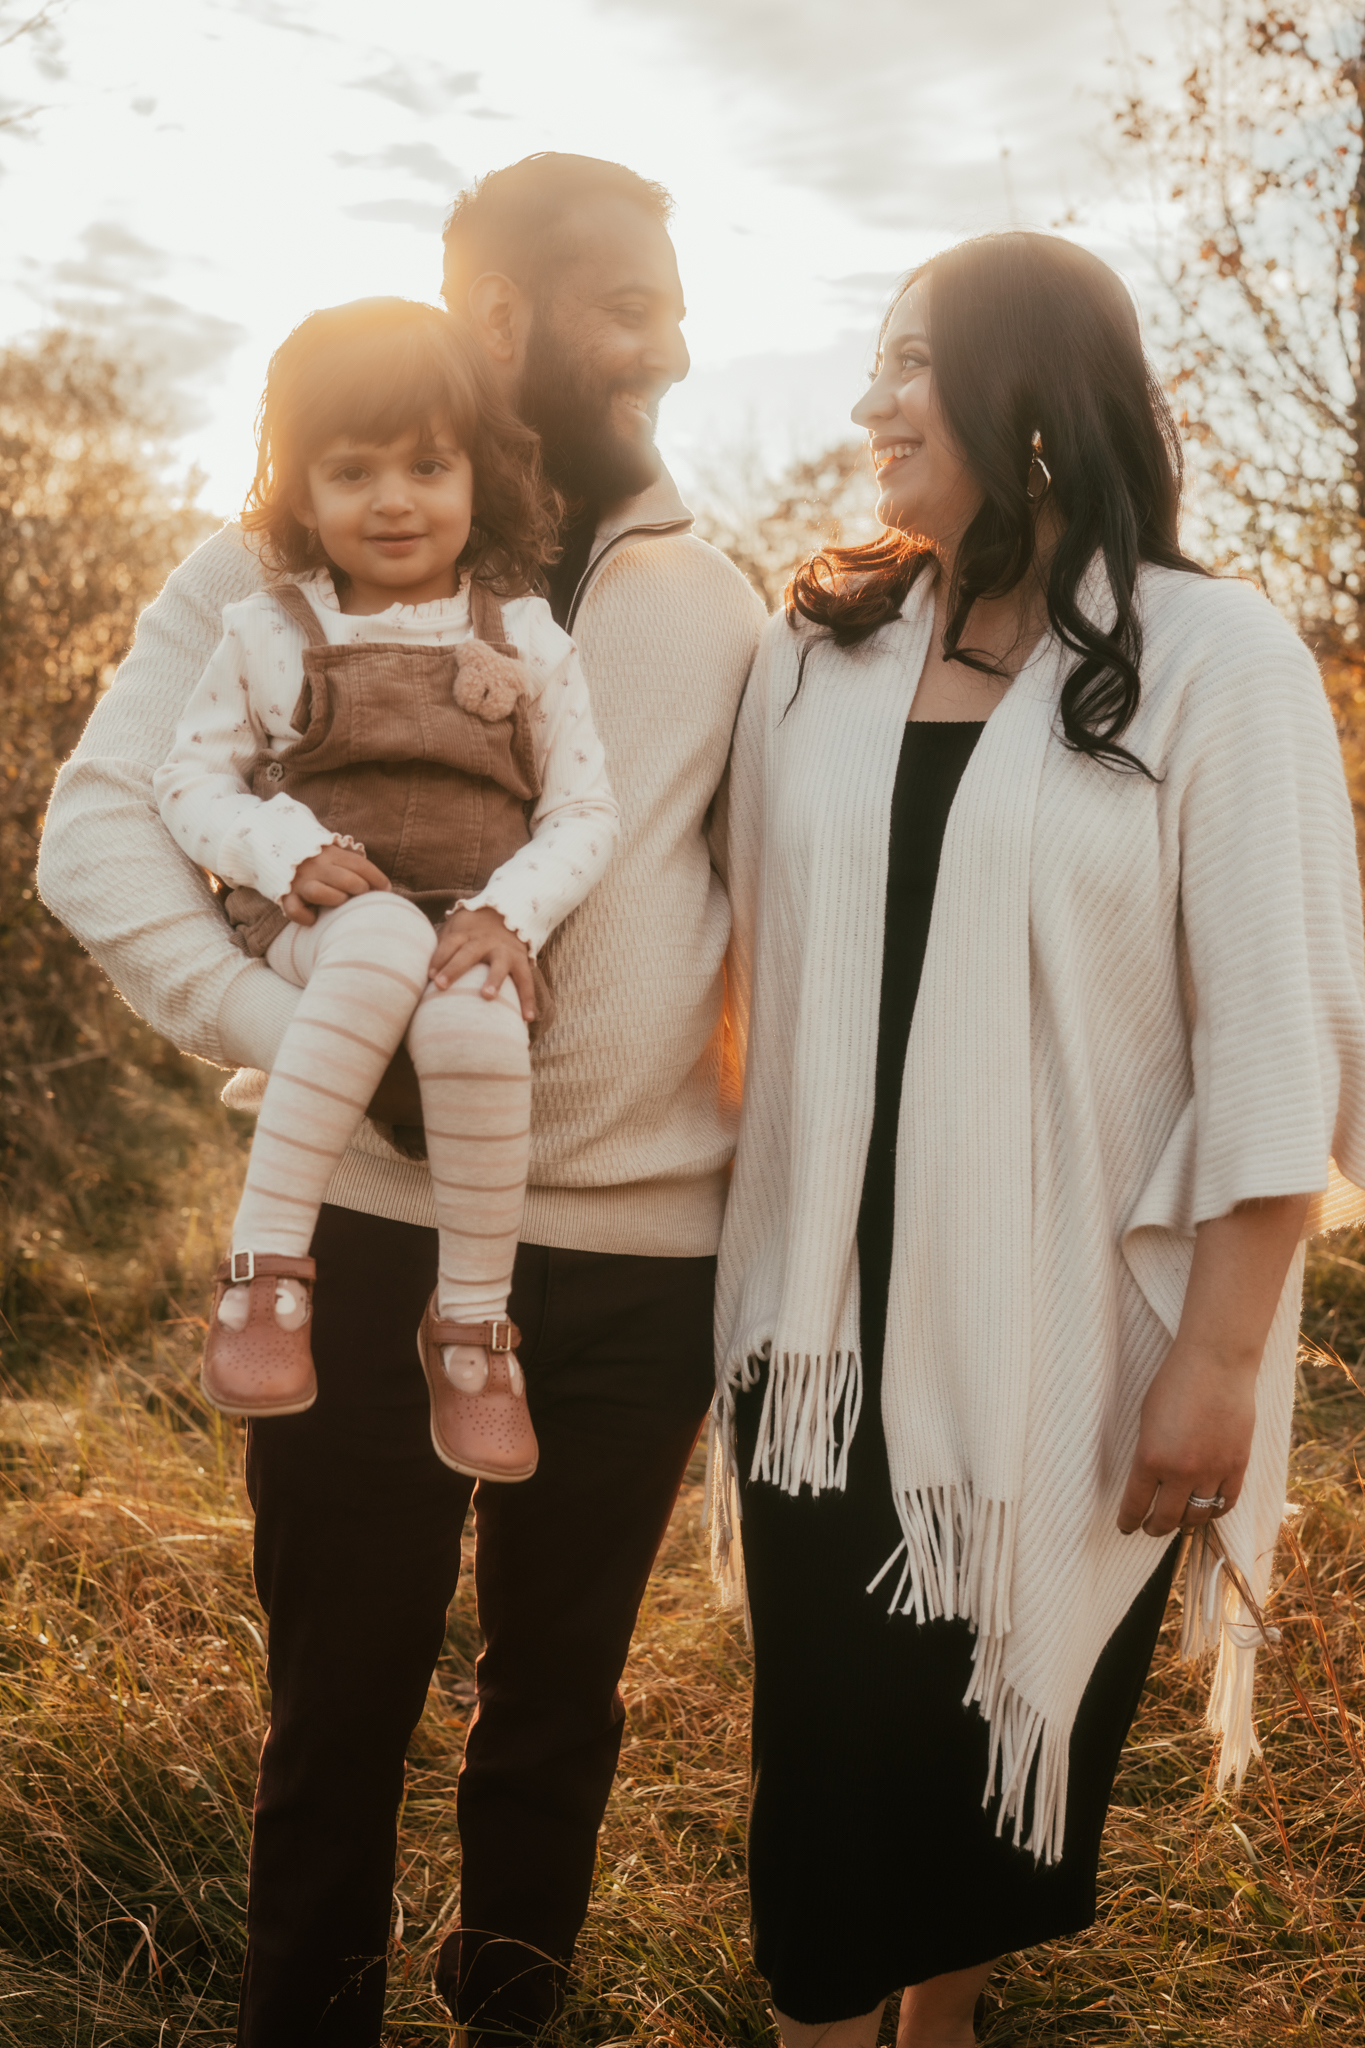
(513, 914)
(342, 839)
(286, 854)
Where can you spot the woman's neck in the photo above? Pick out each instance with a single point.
(1003, 629)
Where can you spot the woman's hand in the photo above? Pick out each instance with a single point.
(1200, 1411)
(328, 878)
(473, 936)
(1195, 1438)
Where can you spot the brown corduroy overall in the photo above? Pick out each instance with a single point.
(439, 796)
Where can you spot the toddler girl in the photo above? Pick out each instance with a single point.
(390, 764)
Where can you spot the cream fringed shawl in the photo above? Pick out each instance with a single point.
(1142, 1002)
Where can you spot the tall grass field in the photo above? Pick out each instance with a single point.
(133, 1695)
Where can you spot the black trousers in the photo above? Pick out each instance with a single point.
(357, 1555)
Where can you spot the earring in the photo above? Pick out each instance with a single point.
(1035, 496)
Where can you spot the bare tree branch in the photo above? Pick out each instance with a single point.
(1262, 161)
(44, 18)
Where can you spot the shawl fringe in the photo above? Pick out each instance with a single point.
(1217, 1616)
(956, 1560)
(956, 1557)
(722, 1510)
(1030, 1755)
(811, 1405)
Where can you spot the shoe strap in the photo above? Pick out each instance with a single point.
(495, 1336)
(240, 1267)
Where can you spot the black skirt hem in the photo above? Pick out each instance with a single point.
(1054, 1927)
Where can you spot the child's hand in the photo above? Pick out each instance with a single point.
(469, 936)
(328, 878)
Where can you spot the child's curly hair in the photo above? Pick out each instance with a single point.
(375, 370)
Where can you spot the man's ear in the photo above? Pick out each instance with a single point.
(500, 319)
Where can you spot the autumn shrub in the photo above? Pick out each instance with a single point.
(97, 1115)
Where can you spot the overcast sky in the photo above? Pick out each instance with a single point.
(202, 173)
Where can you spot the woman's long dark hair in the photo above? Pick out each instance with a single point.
(1029, 333)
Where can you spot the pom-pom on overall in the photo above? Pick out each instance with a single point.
(487, 683)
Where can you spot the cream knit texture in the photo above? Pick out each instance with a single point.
(1142, 1002)
(635, 1102)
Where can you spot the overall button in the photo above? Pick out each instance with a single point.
(275, 772)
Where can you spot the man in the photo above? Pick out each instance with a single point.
(562, 269)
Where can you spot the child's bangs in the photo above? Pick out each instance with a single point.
(376, 388)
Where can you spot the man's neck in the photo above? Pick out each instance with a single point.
(565, 575)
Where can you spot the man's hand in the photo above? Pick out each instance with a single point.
(471, 936)
(328, 878)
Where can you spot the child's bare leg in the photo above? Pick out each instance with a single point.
(362, 968)
(473, 1063)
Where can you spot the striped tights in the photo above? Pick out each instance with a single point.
(363, 971)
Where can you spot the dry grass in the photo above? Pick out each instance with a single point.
(132, 1705)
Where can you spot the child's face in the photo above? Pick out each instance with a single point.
(395, 517)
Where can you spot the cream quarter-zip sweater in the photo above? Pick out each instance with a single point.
(634, 1101)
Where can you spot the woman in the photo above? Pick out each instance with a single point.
(1008, 1300)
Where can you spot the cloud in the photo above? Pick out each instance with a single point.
(408, 213)
(905, 122)
(769, 409)
(111, 255)
(426, 91)
(273, 14)
(864, 288)
(417, 159)
(110, 289)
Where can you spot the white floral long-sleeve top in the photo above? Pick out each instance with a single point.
(244, 703)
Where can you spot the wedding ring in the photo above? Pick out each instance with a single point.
(1197, 1501)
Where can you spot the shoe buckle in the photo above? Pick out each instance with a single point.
(500, 1336)
(238, 1273)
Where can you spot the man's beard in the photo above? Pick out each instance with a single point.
(584, 456)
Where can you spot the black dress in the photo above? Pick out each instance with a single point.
(872, 1864)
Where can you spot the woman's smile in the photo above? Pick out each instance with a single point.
(886, 454)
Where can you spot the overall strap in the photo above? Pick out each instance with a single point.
(291, 599)
(485, 614)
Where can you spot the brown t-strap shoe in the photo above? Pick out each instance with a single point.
(487, 1435)
(259, 1369)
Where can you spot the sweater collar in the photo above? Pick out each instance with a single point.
(658, 511)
